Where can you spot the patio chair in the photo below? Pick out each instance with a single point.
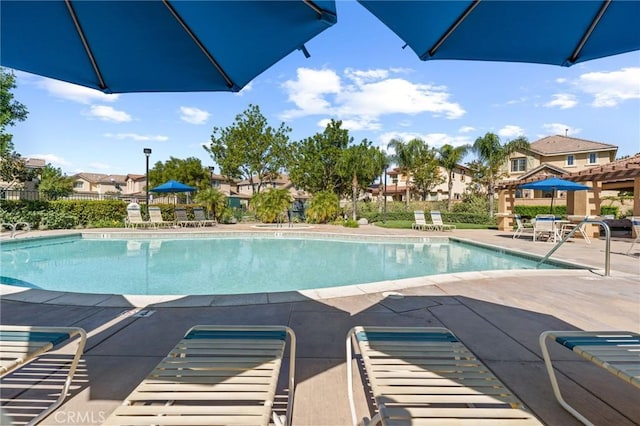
(134, 217)
(215, 375)
(618, 352)
(155, 217)
(521, 227)
(425, 374)
(19, 345)
(182, 219)
(544, 228)
(635, 226)
(198, 214)
(438, 224)
(420, 222)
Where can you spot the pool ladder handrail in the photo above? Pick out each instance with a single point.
(607, 249)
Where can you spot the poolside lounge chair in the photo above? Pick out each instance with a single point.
(419, 221)
(544, 228)
(618, 352)
(134, 217)
(521, 227)
(198, 214)
(20, 345)
(438, 224)
(635, 226)
(155, 217)
(425, 374)
(182, 219)
(215, 375)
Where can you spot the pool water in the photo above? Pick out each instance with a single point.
(235, 265)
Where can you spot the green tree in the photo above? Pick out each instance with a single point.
(449, 158)
(215, 201)
(53, 184)
(250, 148)
(493, 155)
(12, 167)
(360, 164)
(408, 156)
(313, 163)
(271, 204)
(427, 175)
(324, 206)
(189, 171)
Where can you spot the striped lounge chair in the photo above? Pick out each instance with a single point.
(425, 375)
(618, 352)
(216, 375)
(20, 345)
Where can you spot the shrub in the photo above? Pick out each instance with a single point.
(323, 207)
(269, 205)
(350, 223)
(58, 220)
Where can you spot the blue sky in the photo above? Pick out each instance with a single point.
(358, 73)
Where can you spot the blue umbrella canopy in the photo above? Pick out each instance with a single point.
(554, 184)
(173, 186)
(156, 46)
(557, 32)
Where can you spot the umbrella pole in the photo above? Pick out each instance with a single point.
(553, 195)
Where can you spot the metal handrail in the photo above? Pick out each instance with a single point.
(607, 249)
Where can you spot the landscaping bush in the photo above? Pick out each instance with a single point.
(610, 210)
(529, 212)
(323, 207)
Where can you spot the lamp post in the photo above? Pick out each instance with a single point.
(384, 215)
(211, 170)
(147, 153)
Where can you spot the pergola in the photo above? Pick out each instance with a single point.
(620, 175)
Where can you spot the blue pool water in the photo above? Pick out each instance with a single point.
(234, 265)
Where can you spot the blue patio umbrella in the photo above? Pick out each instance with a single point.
(173, 186)
(555, 32)
(119, 46)
(554, 184)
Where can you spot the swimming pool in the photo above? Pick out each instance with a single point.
(238, 264)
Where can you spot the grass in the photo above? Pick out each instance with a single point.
(406, 224)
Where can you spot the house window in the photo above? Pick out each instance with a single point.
(519, 165)
(571, 160)
(593, 158)
(78, 185)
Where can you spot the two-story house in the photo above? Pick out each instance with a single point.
(397, 185)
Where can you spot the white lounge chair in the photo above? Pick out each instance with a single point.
(438, 224)
(425, 375)
(618, 352)
(134, 217)
(420, 222)
(216, 375)
(544, 228)
(19, 345)
(521, 227)
(155, 217)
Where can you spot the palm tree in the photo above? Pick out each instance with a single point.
(407, 156)
(215, 201)
(449, 158)
(492, 155)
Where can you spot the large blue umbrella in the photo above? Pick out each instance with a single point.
(173, 186)
(556, 32)
(121, 46)
(554, 184)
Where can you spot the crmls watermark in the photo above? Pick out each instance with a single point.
(79, 417)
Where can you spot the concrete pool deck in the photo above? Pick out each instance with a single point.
(498, 315)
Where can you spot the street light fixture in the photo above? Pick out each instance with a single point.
(147, 153)
(211, 170)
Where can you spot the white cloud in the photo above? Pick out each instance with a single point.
(245, 89)
(561, 80)
(434, 140)
(466, 129)
(560, 129)
(611, 88)
(193, 115)
(75, 93)
(510, 131)
(100, 166)
(364, 96)
(107, 113)
(562, 100)
(136, 137)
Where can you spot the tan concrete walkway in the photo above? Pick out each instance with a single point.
(498, 315)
